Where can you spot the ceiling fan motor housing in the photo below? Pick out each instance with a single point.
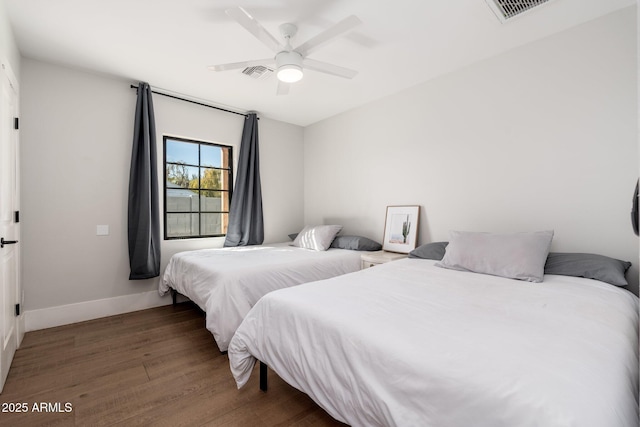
(289, 66)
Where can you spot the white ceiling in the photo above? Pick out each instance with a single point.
(170, 43)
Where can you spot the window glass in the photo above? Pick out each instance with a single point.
(181, 176)
(182, 152)
(211, 156)
(212, 179)
(197, 191)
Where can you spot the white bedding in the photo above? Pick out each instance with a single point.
(225, 283)
(410, 344)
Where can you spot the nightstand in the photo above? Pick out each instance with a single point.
(370, 259)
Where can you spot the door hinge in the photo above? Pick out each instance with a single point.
(17, 309)
(16, 123)
(16, 216)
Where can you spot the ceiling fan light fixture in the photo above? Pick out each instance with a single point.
(289, 66)
(289, 73)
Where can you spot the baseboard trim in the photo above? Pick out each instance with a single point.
(79, 312)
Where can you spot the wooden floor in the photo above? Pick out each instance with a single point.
(156, 367)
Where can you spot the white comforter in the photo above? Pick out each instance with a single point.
(227, 282)
(410, 344)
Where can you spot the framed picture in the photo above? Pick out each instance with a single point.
(401, 229)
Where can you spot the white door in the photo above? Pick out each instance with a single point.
(10, 292)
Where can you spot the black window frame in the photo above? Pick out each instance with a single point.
(166, 138)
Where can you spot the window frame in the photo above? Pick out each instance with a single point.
(200, 211)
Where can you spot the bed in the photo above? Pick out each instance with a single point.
(409, 343)
(225, 283)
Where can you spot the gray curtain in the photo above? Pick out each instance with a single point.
(246, 226)
(144, 217)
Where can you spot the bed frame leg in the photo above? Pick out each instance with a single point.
(263, 376)
(174, 296)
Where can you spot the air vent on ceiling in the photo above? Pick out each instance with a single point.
(257, 72)
(507, 9)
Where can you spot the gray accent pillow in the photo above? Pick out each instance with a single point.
(293, 236)
(433, 250)
(355, 243)
(518, 256)
(318, 237)
(591, 266)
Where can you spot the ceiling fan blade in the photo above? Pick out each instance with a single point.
(283, 88)
(340, 28)
(324, 67)
(250, 24)
(243, 64)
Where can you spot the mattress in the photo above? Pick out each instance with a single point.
(225, 283)
(410, 344)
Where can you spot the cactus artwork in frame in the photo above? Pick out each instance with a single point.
(401, 228)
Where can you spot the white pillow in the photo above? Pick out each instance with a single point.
(516, 256)
(317, 237)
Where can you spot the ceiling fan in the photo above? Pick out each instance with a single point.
(290, 62)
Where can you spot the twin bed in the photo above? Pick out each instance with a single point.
(226, 282)
(409, 343)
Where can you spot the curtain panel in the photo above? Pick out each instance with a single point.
(143, 211)
(246, 225)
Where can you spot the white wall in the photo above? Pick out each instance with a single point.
(77, 131)
(542, 137)
(8, 49)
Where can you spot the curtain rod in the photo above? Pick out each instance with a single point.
(193, 102)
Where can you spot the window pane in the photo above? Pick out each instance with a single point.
(181, 176)
(182, 152)
(210, 156)
(214, 223)
(211, 179)
(214, 201)
(183, 225)
(181, 200)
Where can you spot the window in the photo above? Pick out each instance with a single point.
(197, 188)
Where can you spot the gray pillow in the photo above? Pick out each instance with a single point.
(591, 266)
(433, 250)
(518, 256)
(293, 236)
(355, 243)
(318, 237)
